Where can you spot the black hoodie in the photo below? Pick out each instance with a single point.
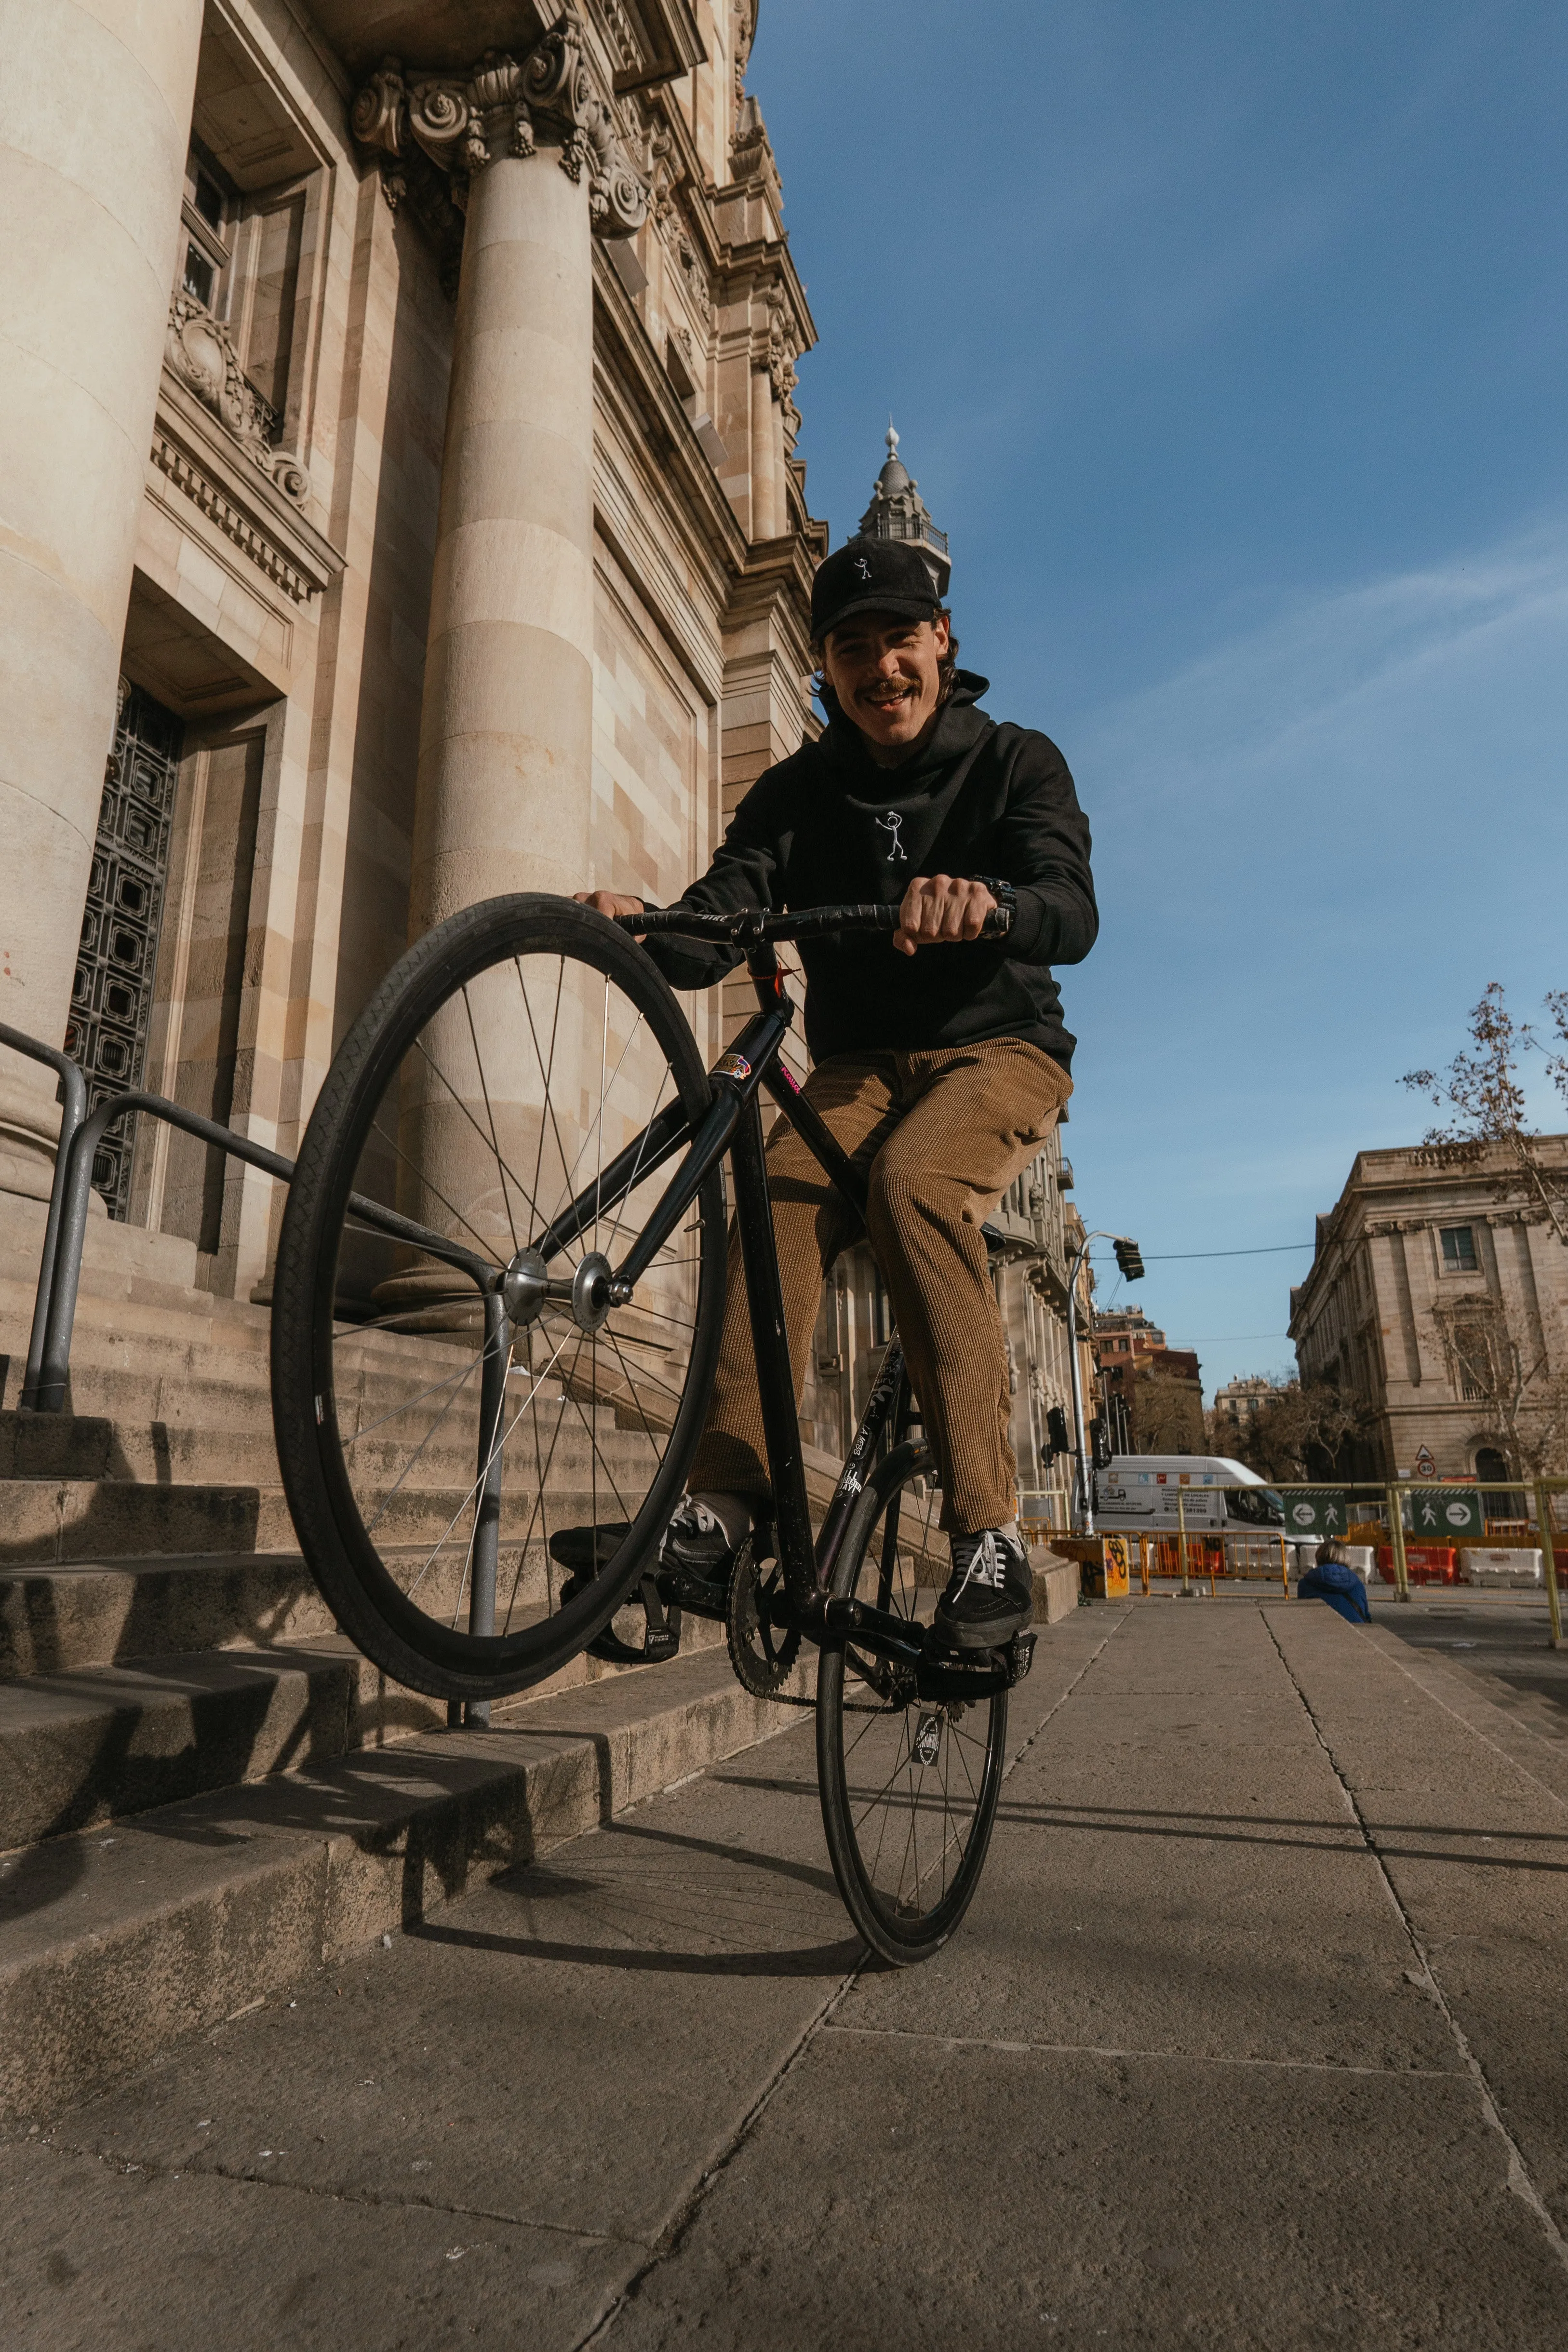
(831, 826)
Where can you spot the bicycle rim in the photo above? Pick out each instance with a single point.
(506, 1063)
(909, 1787)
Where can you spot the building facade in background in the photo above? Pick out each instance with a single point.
(1237, 1407)
(402, 508)
(1437, 1300)
(1151, 1394)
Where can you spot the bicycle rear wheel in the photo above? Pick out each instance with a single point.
(908, 1786)
(464, 1410)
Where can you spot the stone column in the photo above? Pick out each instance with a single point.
(504, 782)
(92, 160)
(506, 733)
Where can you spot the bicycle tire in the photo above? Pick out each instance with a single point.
(358, 1573)
(889, 1892)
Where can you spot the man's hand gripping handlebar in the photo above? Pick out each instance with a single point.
(937, 918)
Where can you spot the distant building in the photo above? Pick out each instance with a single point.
(1238, 1404)
(1152, 1393)
(1439, 1299)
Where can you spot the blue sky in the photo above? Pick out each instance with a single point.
(1230, 346)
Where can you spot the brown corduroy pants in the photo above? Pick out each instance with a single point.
(942, 1134)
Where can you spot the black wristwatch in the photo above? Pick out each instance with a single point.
(1005, 897)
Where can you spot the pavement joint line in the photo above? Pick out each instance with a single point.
(682, 2221)
(685, 2214)
(1103, 2049)
(1518, 2175)
(372, 2198)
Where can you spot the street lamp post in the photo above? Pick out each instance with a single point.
(1131, 1265)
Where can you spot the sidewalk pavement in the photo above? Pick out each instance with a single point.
(1253, 2038)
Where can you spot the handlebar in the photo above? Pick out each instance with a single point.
(749, 926)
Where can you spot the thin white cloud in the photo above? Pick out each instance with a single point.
(1341, 671)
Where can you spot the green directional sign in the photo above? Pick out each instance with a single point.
(1445, 1515)
(1320, 1511)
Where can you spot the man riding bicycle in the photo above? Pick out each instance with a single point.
(940, 1074)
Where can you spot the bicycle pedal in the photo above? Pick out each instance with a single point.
(1019, 1655)
(659, 1648)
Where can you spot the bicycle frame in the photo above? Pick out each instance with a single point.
(733, 1125)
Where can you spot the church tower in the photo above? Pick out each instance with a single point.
(897, 510)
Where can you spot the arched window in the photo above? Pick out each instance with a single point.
(1498, 1502)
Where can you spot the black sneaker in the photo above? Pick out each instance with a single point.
(695, 1544)
(990, 1593)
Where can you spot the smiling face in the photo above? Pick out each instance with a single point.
(887, 673)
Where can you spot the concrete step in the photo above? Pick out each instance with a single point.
(61, 1617)
(65, 1522)
(102, 1743)
(57, 1619)
(114, 1943)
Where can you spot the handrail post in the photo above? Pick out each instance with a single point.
(487, 1502)
(73, 1110)
(53, 1366)
(1548, 1560)
(1396, 1540)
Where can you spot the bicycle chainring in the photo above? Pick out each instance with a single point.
(762, 1653)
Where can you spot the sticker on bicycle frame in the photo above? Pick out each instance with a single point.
(733, 1065)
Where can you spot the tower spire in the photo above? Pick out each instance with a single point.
(898, 511)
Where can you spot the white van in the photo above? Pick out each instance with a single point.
(1136, 1493)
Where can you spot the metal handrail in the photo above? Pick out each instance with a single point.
(73, 1099)
(63, 1274)
(71, 1201)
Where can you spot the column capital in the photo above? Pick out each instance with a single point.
(504, 105)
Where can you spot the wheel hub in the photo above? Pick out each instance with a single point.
(590, 1292)
(525, 1286)
(591, 1295)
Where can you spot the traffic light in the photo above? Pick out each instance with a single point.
(1130, 1260)
(1056, 1438)
(1099, 1442)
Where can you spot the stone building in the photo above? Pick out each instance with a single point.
(1151, 1395)
(1437, 1300)
(1237, 1406)
(402, 493)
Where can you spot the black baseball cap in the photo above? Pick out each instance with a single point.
(872, 575)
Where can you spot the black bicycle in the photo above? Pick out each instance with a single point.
(495, 1320)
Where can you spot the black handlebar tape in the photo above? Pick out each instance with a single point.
(810, 922)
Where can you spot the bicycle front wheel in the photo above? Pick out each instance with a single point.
(908, 1785)
(479, 1443)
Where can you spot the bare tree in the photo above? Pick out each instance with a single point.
(1295, 1431)
(1167, 1413)
(1481, 1090)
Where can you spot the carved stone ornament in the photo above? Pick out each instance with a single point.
(200, 352)
(504, 105)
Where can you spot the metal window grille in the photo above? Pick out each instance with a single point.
(111, 994)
